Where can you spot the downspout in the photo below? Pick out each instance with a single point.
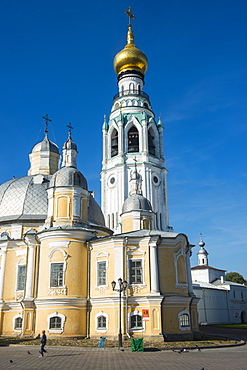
(126, 296)
(89, 247)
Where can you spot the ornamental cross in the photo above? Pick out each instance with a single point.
(70, 127)
(130, 15)
(47, 120)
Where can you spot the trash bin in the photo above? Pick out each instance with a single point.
(137, 345)
(102, 342)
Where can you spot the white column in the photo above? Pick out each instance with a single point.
(154, 277)
(32, 244)
(2, 271)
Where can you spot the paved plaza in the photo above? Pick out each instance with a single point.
(93, 358)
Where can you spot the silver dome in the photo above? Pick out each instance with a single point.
(136, 202)
(94, 212)
(69, 144)
(68, 176)
(23, 199)
(45, 145)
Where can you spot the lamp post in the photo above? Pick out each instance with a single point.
(122, 286)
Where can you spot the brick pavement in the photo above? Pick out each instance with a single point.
(105, 359)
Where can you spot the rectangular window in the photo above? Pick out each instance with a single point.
(101, 273)
(21, 277)
(184, 320)
(56, 279)
(135, 271)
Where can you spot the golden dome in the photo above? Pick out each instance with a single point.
(130, 58)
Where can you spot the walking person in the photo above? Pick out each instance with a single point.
(42, 345)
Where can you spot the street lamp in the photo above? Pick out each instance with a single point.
(122, 286)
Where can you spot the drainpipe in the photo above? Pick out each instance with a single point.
(89, 247)
(126, 291)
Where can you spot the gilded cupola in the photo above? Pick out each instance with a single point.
(130, 58)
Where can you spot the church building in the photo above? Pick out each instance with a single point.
(62, 256)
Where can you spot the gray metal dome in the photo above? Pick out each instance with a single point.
(69, 144)
(68, 176)
(95, 214)
(45, 145)
(24, 198)
(136, 202)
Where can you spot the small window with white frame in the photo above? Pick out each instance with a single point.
(135, 271)
(21, 277)
(101, 322)
(17, 322)
(136, 323)
(101, 272)
(184, 320)
(57, 274)
(56, 323)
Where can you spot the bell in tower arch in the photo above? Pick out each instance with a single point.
(133, 140)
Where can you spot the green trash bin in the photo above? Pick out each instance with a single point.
(137, 345)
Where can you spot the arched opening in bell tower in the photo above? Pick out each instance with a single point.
(151, 146)
(133, 140)
(114, 143)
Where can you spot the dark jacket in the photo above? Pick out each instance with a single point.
(43, 339)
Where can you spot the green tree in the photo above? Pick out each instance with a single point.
(235, 277)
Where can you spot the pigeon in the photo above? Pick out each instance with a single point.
(202, 368)
(11, 361)
(185, 350)
(198, 348)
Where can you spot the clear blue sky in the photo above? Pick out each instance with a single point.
(56, 58)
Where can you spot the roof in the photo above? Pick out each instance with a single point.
(205, 267)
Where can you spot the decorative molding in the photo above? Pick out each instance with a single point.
(19, 295)
(57, 291)
(59, 244)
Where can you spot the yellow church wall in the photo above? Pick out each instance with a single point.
(168, 267)
(76, 271)
(13, 259)
(74, 324)
(127, 224)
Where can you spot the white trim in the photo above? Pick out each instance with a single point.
(141, 329)
(184, 328)
(68, 204)
(101, 330)
(13, 322)
(56, 331)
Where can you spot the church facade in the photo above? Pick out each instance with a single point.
(61, 253)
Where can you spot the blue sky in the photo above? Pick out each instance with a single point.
(56, 59)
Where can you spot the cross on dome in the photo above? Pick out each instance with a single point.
(47, 120)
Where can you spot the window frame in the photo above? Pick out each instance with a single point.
(63, 277)
(98, 275)
(136, 328)
(184, 324)
(131, 281)
(56, 330)
(16, 317)
(20, 286)
(99, 329)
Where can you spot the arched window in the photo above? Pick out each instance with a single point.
(18, 323)
(55, 323)
(151, 146)
(133, 140)
(146, 224)
(136, 323)
(184, 320)
(112, 221)
(101, 322)
(114, 143)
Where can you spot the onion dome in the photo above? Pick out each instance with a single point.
(136, 202)
(130, 58)
(45, 145)
(69, 144)
(68, 176)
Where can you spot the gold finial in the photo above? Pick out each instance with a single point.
(130, 15)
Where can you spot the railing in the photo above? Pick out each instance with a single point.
(131, 92)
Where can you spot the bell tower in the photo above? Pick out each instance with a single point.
(132, 132)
